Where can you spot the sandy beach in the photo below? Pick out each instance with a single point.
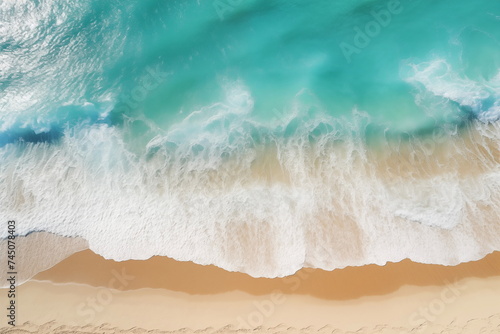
(86, 293)
(246, 167)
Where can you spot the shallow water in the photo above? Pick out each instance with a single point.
(260, 136)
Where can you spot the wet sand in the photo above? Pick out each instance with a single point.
(86, 293)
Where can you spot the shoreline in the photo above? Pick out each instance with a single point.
(338, 203)
(87, 294)
(189, 276)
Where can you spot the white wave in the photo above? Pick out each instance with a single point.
(439, 78)
(38, 51)
(266, 211)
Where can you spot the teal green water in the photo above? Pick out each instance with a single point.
(280, 48)
(410, 65)
(239, 132)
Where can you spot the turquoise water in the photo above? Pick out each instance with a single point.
(140, 103)
(324, 58)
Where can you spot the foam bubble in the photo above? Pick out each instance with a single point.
(440, 79)
(265, 209)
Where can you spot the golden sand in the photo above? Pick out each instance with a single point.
(88, 294)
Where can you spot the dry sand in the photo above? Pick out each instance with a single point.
(85, 291)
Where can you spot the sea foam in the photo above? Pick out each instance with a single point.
(249, 198)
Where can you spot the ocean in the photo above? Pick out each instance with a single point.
(261, 136)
